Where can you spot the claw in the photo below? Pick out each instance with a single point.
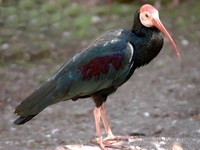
(109, 137)
(99, 141)
(115, 142)
(116, 138)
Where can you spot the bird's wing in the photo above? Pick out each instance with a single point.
(105, 63)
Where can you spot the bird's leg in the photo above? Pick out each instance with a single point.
(99, 140)
(97, 118)
(100, 113)
(105, 121)
(110, 141)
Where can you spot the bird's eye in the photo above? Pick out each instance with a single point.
(147, 15)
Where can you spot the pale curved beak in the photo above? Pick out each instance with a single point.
(158, 24)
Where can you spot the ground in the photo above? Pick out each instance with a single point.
(161, 99)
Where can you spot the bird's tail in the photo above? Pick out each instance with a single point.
(44, 96)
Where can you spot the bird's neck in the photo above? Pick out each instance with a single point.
(136, 24)
(148, 44)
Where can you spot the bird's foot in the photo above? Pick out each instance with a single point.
(116, 138)
(115, 142)
(99, 141)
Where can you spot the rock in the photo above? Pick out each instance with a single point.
(95, 19)
(5, 46)
(144, 143)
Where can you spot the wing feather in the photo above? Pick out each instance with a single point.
(102, 65)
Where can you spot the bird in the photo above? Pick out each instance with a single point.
(100, 69)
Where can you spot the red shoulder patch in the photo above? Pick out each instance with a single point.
(100, 65)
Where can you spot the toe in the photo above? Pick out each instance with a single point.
(99, 141)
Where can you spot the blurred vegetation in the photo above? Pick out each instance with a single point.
(35, 29)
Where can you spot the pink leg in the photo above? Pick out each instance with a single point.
(110, 141)
(97, 118)
(105, 121)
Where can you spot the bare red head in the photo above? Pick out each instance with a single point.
(149, 17)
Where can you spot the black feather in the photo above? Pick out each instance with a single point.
(22, 120)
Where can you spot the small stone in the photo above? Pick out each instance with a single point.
(185, 42)
(158, 129)
(95, 19)
(55, 130)
(146, 114)
(48, 135)
(12, 129)
(12, 17)
(5, 46)
(198, 131)
(66, 34)
(56, 25)
(174, 122)
(177, 146)
(33, 21)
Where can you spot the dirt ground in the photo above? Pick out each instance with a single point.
(161, 99)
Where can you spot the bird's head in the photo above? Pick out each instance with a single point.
(149, 17)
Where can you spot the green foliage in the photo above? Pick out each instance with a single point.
(10, 10)
(9, 54)
(42, 21)
(31, 26)
(64, 25)
(121, 10)
(82, 21)
(56, 17)
(50, 7)
(82, 24)
(33, 13)
(73, 11)
(39, 2)
(40, 50)
(63, 3)
(26, 4)
(166, 2)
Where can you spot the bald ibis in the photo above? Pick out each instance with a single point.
(102, 67)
